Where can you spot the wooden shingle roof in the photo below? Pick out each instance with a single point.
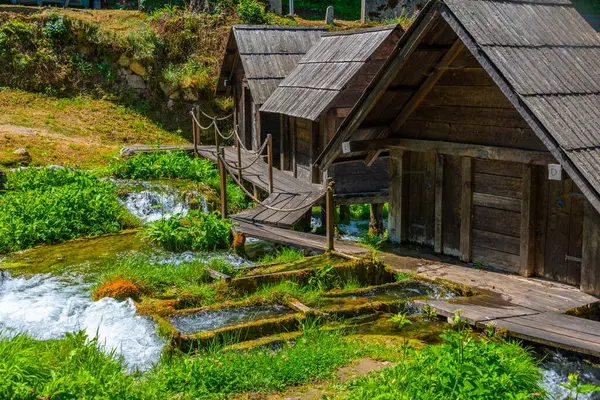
(268, 53)
(544, 57)
(325, 71)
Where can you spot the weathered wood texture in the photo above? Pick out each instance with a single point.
(496, 227)
(297, 239)
(451, 205)
(559, 229)
(355, 177)
(421, 210)
(590, 273)
(466, 210)
(399, 196)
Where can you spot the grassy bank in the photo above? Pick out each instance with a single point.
(461, 368)
(81, 132)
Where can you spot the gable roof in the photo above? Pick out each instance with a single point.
(267, 53)
(325, 71)
(543, 56)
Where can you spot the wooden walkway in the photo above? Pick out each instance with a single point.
(528, 309)
(298, 239)
(288, 194)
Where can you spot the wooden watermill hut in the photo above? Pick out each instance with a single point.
(490, 111)
(316, 97)
(257, 58)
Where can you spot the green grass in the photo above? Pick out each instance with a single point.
(194, 231)
(283, 256)
(287, 290)
(44, 206)
(72, 368)
(177, 164)
(461, 368)
(152, 277)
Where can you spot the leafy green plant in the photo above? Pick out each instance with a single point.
(401, 320)
(195, 231)
(461, 368)
(373, 241)
(52, 205)
(575, 388)
(251, 12)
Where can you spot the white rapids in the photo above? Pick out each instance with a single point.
(46, 307)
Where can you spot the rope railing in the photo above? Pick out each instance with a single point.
(253, 198)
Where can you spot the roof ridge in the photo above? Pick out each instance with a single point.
(549, 3)
(279, 27)
(359, 31)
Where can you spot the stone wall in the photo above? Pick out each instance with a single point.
(391, 9)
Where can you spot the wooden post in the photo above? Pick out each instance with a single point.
(439, 188)
(223, 176)
(291, 11)
(195, 131)
(217, 140)
(270, 161)
(239, 156)
(466, 222)
(363, 11)
(376, 219)
(330, 213)
(344, 214)
(527, 252)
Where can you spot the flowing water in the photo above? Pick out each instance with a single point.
(214, 319)
(353, 231)
(47, 307)
(403, 291)
(151, 202)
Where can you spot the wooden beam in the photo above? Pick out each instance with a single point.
(372, 157)
(383, 79)
(399, 196)
(427, 85)
(466, 216)
(527, 252)
(590, 266)
(439, 189)
(455, 149)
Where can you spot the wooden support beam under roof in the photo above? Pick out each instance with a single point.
(419, 95)
(385, 77)
(450, 148)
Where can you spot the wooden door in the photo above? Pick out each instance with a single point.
(559, 230)
(421, 214)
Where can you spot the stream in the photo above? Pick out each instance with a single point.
(47, 305)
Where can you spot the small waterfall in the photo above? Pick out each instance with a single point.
(556, 367)
(150, 202)
(47, 307)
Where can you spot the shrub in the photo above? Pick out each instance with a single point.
(251, 12)
(118, 288)
(461, 368)
(195, 231)
(50, 206)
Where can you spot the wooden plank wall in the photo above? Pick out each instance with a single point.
(451, 205)
(356, 177)
(303, 137)
(421, 214)
(497, 193)
(466, 106)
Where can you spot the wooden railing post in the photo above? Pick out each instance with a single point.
(223, 176)
(270, 161)
(217, 139)
(194, 131)
(330, 214)
(198, 131)
(239, 154)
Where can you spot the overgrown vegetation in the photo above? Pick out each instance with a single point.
(75, 368)
(462, 368)
(284, 255)
(52, 205)
(177, 164)
(154, 278)
(194, 231)
(315, 9)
